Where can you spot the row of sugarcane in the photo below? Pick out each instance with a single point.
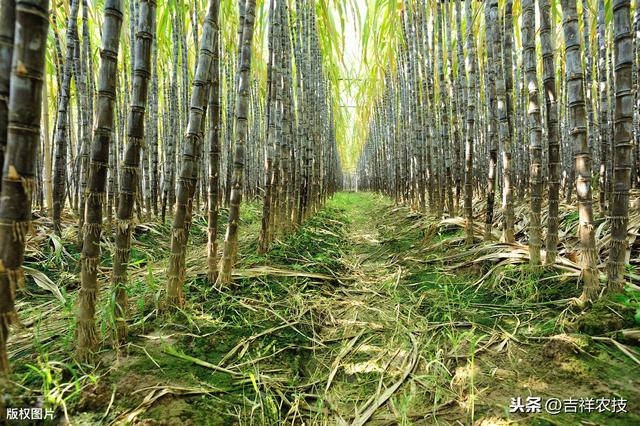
(168, 105)
(436, 131)
(280, 144)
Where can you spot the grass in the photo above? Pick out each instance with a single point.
(324, 349)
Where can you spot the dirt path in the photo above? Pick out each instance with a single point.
(383, 350)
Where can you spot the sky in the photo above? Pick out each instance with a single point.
(352, 61)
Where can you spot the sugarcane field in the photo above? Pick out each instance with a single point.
(320, 212)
